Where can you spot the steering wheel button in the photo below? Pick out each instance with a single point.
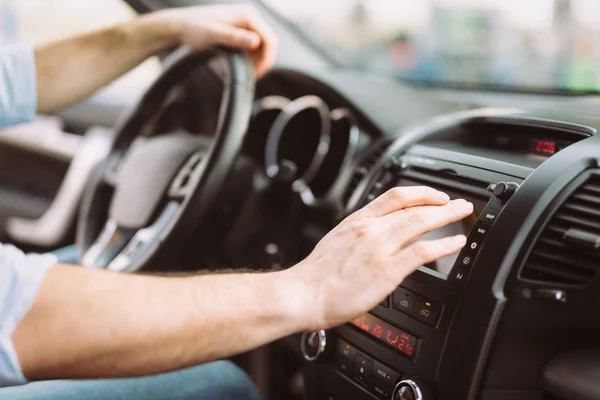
(427, 311)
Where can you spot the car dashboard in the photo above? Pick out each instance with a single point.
(510, 316)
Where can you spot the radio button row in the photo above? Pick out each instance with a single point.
(459, 274)
(346, 350)
(362, 369)
(489, 216)
(343, 364)
(385, 374)
(404, 300)
(379, 390)
(427, 311)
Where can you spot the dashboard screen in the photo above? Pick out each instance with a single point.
(394, 337)
(442, 267)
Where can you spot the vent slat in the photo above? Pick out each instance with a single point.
(554, 275)
(554, 260)
(587, 199)
(574, 221)
(582, 209)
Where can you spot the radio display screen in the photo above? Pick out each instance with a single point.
(386, 333)
(442, 267)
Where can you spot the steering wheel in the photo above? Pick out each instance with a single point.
(149, 190)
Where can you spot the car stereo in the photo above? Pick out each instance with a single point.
(442, 267)
(403, 337)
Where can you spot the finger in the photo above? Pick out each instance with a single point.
(424, 252)
(412, 223)
(399, 198)
(264, 56)
(231, 36)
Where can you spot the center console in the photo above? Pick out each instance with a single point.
(396, 350)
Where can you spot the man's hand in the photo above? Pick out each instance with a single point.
(111, 52)
(370, 253)
(97, 323)
(239, 26)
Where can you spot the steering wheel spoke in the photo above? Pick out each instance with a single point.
(182, 184)
(131, 257)
(108, 244)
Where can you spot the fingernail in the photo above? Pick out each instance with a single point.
(459, 201)
(443, 196)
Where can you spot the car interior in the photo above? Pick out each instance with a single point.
(207, 169)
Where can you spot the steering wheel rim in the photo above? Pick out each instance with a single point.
(108, 244)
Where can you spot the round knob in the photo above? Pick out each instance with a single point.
(504, 191)
(313, 344)
(409, 389)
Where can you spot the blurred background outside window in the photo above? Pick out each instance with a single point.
(549, 45)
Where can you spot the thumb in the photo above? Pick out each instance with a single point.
(231, 36)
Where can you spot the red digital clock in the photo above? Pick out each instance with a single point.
(543, 147)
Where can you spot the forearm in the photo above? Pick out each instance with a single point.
(72, 69)
(87, 323)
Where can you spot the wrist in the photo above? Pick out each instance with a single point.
(158, 31)
(295, 298)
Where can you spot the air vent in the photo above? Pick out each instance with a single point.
(368, 161)
(568, 250)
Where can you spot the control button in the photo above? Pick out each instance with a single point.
(362, 369)
(504, 191)
(313, 344)
(380, 390)
(489, 216)
(343, 364)
(385, 302)
(479, 231)
(465, 259)
(427, 311)
(404, 300)
(346, 350)
(459, 274)
(384, 374)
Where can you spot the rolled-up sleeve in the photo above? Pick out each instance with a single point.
(21, 276)
(18, 91)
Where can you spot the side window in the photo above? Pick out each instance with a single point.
(39, 21)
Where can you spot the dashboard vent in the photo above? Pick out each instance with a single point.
(568, 249)
(368, 161)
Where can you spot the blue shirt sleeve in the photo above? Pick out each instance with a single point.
(18, 91)
(21, 276)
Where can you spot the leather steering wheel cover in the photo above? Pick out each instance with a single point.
(234, 116)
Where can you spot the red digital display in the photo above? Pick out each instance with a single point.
(546, 147)
(386, 333)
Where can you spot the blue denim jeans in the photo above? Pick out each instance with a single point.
(220, 380)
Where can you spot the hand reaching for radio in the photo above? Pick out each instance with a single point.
(370, 253)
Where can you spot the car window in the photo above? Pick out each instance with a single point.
(39, 21)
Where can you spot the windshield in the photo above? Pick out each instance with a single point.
(524, 45)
